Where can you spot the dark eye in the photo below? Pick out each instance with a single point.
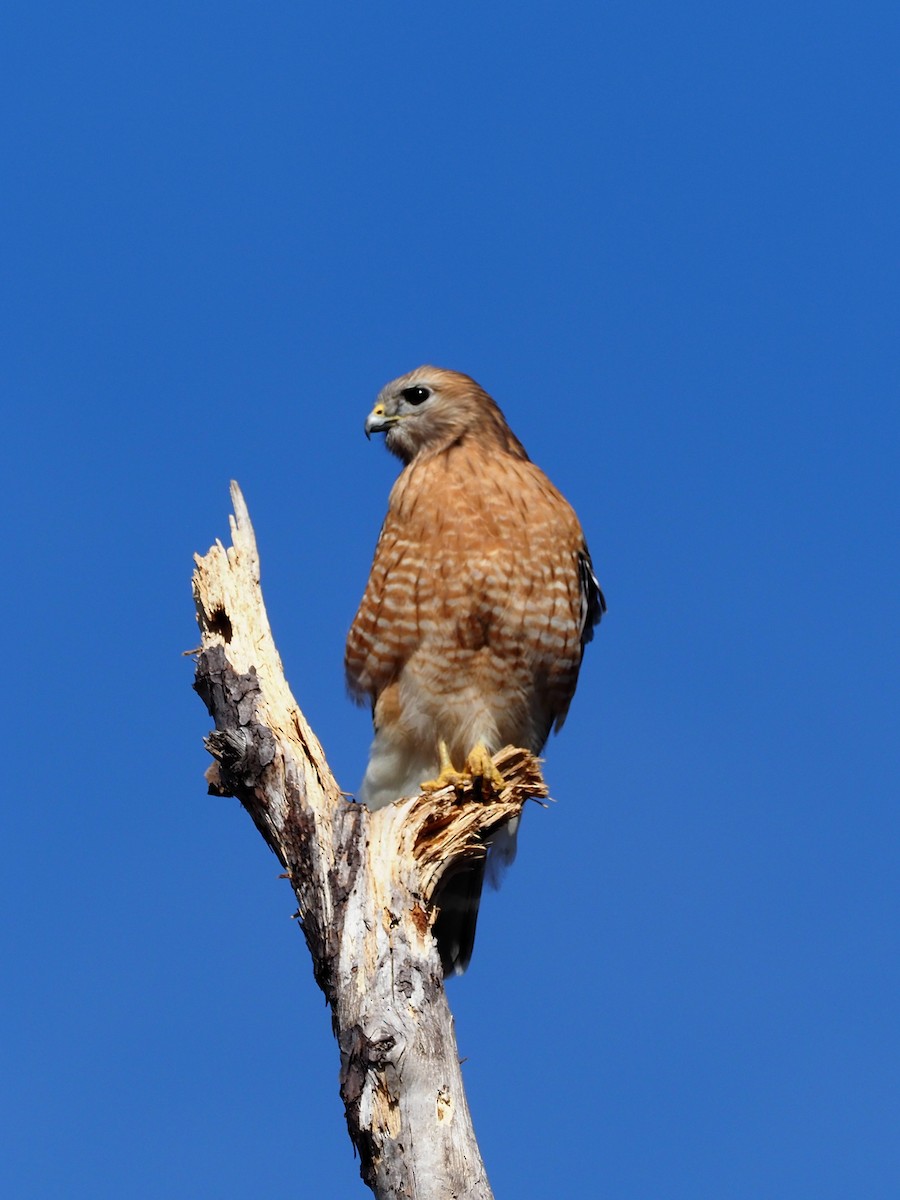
(415, 395)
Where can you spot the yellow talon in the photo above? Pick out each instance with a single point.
(480, 765)
(447, 775)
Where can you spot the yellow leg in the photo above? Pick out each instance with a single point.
(480, 765)
(448, 774)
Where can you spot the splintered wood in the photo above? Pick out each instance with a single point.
(445, 828)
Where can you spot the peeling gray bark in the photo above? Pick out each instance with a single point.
(365, 884)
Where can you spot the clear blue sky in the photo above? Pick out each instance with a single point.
(665, 237)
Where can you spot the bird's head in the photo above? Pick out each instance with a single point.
(431, 409)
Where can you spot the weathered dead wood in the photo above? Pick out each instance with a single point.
(364, 884)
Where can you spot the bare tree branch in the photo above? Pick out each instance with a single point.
(365, 885)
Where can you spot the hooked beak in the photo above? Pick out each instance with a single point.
(377, 421)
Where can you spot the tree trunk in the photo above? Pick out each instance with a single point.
(365, 885)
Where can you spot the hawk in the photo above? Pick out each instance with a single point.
(479, 604)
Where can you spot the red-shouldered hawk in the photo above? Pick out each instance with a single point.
(479, 604)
